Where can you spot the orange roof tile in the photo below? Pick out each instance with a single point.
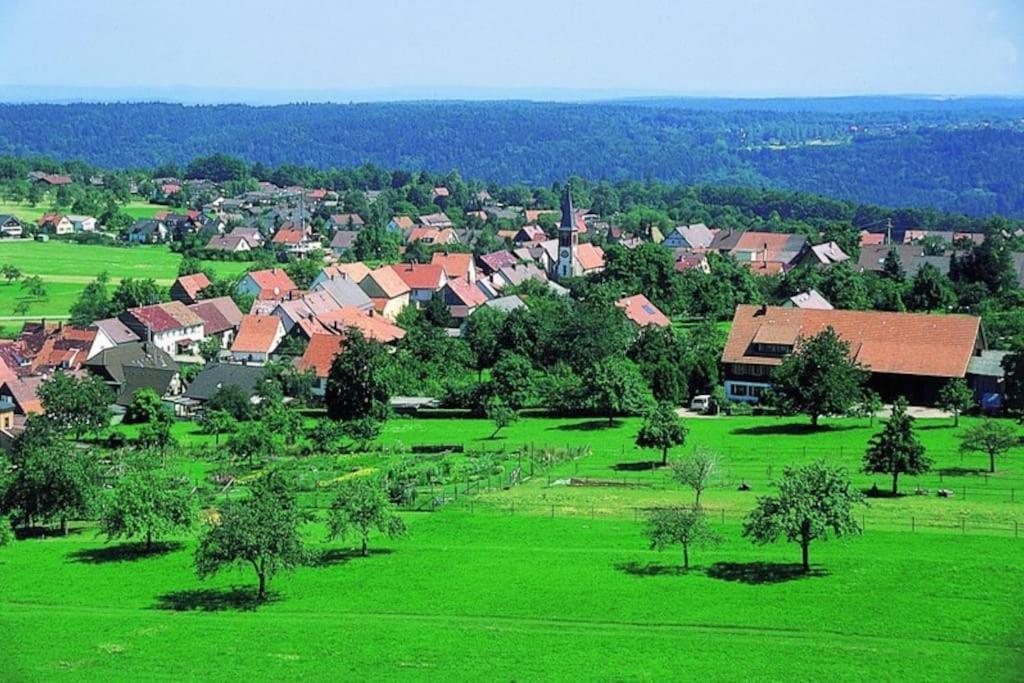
(639, 309)
(257, 334)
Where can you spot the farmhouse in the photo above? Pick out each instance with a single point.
(55, 224)
(136, 365)
(10, 226)
(221, 318)
(171, 326)
(907, 354)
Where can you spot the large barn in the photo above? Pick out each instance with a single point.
(908, 354)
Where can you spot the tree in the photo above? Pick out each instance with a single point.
(157, 434)
(132, 293)
(870, 404)
(6, 534)
(326, 436)
(93, 303)
(501, 414)
(146, 503)
(78, 405)
(680, 526)
(814, 502)
(818, 377)
(189, 265)
(696, 472)
(232, 400)
(34, 286)
(931, 291)
(363, 430)
(615, 386)
(253, 440)
(10, 272)
(481, 333)
(661, 429)
(511, 379)
(896, 449)
(261, 531)
(357, 385)
(991, 437)
(217, 422)
(362, 505)
(892, 267)
(53, 479)
(956, 397)
(210, 348)
(145, 407)
(1013, 383)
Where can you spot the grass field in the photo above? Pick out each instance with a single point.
(66, 268)
(30, 214)
(552, 582)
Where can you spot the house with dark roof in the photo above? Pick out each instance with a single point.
(496, 260)
(147, 231)
(214, 377)
(351, 222)
(345, 292)
(912, 258)
(229, 243)
(126, 368)
(907, 354)
(343, 241)
(10, 226)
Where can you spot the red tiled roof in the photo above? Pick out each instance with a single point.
(642, 312)
(165, 316)
(420, 275)
(273, 283)
(193, 284)
(467, 293)
(289, 236)
(320, 353)
(454, 265)
(352, 271)
(218, 314)
(257, 334)
(591, 257)
(893, 343)
(497, 260)
(389, 282)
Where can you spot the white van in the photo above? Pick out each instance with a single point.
(701, 404)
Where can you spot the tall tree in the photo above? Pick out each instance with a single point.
(896, 449)
(661, 429)
(261, 531)
(930, 290)
(615, 386)
(361, 506)
(93, 303)
(818, 377)
(814, 502)
(991, 437)
(680, 526)
(358, 384)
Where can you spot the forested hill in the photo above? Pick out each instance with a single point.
(965, 156)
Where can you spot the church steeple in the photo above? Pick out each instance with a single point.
(568, 239)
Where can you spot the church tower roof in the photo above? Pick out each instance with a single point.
(568, 214)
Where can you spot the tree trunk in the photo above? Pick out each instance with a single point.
(262, 592)
(686, 556)
(895, 486)
(696, 499)
(814, 419)
(149, 539)
(664, 457)
(64, 526)
(992, 462)
(611, 417)
(365, 550)
(804, 545)
(956, 418)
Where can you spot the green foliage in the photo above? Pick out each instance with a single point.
(512, 380)
(145, 503)
(77, 405)
(956, 397)
(145, 407)
(132, 293)
(361, 506)
(230, 399)
(190, 265)
(896, 449)
(210, 348)
(696, 472)
(157, 433)
(217, 421)
(357, 385)
(990, 437)
(818, 378)
(813, 502)
(930, 290)
(254, 442)
(261, 531)
(661, 429)
(680, 526)
(93, 303)
(615, 387)
(501, 414)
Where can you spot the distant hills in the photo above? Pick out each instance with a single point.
(963, 155)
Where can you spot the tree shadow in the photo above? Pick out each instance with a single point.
(651, 569)
(790, 429)
(236, 598)
(963, 471)
(586, 426)
(881, 493)
(639, 466)
(336, 556)
(124, 552)
(757, 573)
(26, 533)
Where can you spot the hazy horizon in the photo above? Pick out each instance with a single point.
(251, 52)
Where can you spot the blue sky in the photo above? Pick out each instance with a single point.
(488, 48)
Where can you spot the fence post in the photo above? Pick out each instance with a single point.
(965, 492)
(723, 515)
(1016, 533)
(636, 514)
(913, 523)
(963, 525)
(552, 511)
(470, 506)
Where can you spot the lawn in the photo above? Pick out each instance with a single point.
(499, 597)
(67, 267)
(30, 214)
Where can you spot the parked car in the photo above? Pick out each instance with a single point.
(701, 403)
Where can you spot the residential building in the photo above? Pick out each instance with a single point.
(147, 231)
(825, 254)
(171, 326)
(258, 336)
(423, 279)
(343, 241)
(214, 377)
(187, 288)
(318, 357)
(697, 236)
(912, 258)
(128, 367)
(10, 226)
(55, 224)
(345, 292)
(349, 222)
(455, 265)
(221, 318)
(641, 312)
(765, 253)
(388, 292)
(272, 283)
(809, 299)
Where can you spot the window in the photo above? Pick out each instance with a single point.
(739, 389)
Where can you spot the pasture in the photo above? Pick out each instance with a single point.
(28, 213)
(552, 579)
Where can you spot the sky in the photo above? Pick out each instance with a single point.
(545, 49)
